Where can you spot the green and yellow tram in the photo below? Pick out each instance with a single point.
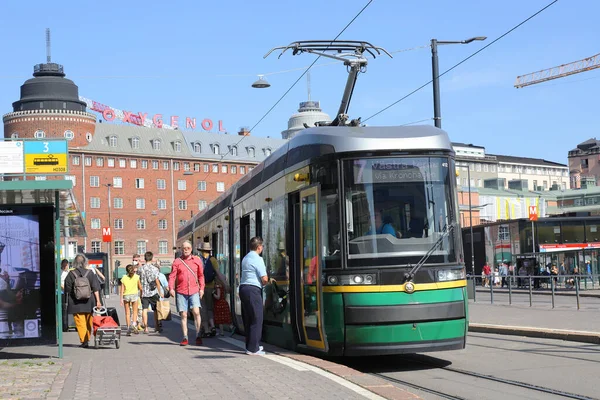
(356, 223)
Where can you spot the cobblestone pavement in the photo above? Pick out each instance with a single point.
(32, 378)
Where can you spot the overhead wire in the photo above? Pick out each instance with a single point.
(462, 61)
(277, 102)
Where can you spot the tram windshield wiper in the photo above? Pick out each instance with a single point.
(409, 276)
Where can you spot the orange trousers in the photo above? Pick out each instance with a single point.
(83, 323)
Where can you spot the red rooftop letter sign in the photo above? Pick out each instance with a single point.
(106, 234)
(533, 216)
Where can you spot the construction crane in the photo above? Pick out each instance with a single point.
(544, 75)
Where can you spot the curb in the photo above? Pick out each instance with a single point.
(542, 293)
(560, 334)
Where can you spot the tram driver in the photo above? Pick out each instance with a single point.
(382, 225)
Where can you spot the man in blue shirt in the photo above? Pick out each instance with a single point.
(254, 277)
(381, 227)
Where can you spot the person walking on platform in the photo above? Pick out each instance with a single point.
(254, 277)
(83, 293)
(189, 272)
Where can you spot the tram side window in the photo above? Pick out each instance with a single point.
(327, 176)
(275, 252)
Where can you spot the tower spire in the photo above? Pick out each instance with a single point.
(48, 56)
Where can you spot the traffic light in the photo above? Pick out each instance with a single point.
(117, 263)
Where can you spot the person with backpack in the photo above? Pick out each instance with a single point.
(211, 265)
(83, 293)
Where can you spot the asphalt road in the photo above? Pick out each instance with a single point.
(556, 365)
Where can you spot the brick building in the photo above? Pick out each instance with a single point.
(143, 182)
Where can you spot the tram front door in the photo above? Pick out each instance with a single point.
(308, 273)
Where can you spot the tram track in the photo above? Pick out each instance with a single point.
(463, 372)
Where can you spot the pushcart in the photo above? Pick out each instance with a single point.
(106, 331)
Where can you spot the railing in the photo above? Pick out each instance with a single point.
(545, 285)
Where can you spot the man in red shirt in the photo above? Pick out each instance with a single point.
(487, 271)
(189, 272)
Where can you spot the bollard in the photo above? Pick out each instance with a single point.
(474, 290)
(530, 293)
(492, 291)
(577, 290)
(510, 291)
(552, 287)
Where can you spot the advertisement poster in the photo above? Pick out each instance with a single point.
(20, 314)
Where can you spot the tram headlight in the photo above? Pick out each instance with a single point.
(358, 279)
(445, 275)
(332, 280)
(368, 279)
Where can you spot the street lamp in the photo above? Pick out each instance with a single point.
(261, 83)
(437, 114)
(110, 272)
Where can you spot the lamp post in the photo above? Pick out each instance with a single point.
(470, 219)
(110, 268)
(437, 114)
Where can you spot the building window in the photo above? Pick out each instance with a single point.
(186, 166)
(268, 152)
(202, 186)
(40, 178)
(112, 141)
(118, 202)
(479, 183)
(584, 163)
(117, 182)
(145, 164)
(95, 223)
(181, 184)
(545, 184)
(94, 202)
(154, 164)
(118, 223)
(72, 178)
(177, 146)
(478, 167)
(197, 147)
(87, 161)
(140, 203)
(564, 185)
(166, 165)
(141, 246)
(156, 144)
(182, 204)
(139, 183)
(196, 167)
(234, 150)
(251, 152)
(503, 233)
(39, 134)
(215, 168)
(122, 163)
(163, 247)
(69, 135)
(76, 160)
(182, 222)
(216, 149)
(176, 166)
(140, 223)
(220, 186)
(201, 205)
(534, 185)
(162, 224)
(242, 170)
(223, 169)
(161, 184)
(133, 163)
(110, 162)
(135, 142)
(96, 246)
(99, 161)
(233, 169)
(206, 167)
(493, 168)
(162, 204)
(14, 135)
(119, 247)
(94, 181)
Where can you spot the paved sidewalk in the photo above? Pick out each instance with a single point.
(154, 366)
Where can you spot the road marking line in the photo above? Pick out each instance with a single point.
(301, 366)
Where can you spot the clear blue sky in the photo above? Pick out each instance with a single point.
(198, 59)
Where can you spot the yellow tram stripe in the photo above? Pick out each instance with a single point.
(393, 288)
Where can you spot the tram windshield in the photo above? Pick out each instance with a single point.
(398, 207)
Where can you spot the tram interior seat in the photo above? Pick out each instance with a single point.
(386, 243)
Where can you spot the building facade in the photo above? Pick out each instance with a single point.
(142, 182)
(584, 164)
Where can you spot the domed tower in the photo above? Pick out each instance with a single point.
(309, 113)
(49, 107)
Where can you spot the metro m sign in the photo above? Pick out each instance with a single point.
(533, 215)
(106, 234)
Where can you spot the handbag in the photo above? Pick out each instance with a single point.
(163, 310)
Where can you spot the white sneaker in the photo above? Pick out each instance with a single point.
(258, 353)
(260, 348)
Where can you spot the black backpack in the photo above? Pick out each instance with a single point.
(209, 270)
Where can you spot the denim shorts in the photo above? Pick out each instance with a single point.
(187, 302)
(131, 298)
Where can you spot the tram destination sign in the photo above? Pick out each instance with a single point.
(11, 157)
(46, 157)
